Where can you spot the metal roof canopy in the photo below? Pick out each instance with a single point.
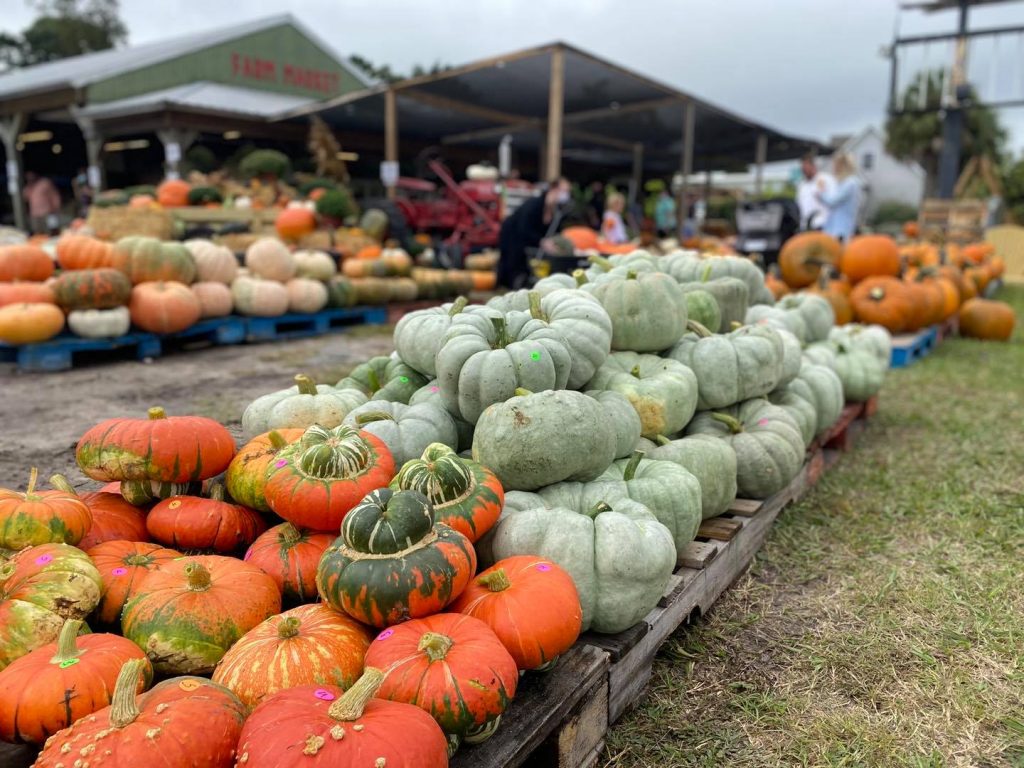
(608, 112)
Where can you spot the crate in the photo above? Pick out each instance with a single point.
(295, 326)
(67, 351)
(909, 347)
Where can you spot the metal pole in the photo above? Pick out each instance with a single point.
(556, 105)
(953, 123)
(390, 134)
(637, 178)
(685, 163)
(761, 155)
(10, 127)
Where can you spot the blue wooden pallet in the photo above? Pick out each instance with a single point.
(60, 353)
(908, 347)
(293, 326)
(216, 330)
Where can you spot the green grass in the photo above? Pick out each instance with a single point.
(882, 624)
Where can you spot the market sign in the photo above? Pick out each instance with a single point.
(293, 75)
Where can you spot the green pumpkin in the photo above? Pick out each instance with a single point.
(418, 335)
(822, 388)
(732, 367)
(618, 554)
(647, 310)
(868, 338)
(623, 416)
(800, 409)
(553, 282)
(341, 293)
(768, 444)
(300, 406)
(405, 429)
(861, 373)
(663, 392)
(487, 355)
(92, 289)
(774, 317)
(146, 259)
(702, 307)
(711, 460)
(687, 267)
(763, 295)
(431, 393)
(730, 294)
(536, 439)
(792, 356)
(667, 489)
(821, 353)
(815, 310)
(384, 378)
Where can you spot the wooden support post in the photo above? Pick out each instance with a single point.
(96, 174)
(175, 141)
(556, 105)
(761, 155)
(390, 134)
(685, 163)
(637, 179)
(542, 156)
(10, 127)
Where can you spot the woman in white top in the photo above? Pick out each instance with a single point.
(613, 229)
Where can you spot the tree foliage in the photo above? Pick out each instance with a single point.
(64, 28)
(384, 73)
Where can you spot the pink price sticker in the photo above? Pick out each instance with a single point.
(43, 559)
(435, 389)
(119, 571)
(762, 422)
(323, 694)
(543, 567)
(385, 634)
(280, 463)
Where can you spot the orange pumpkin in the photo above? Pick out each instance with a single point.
(24, 262)
(997, 266)
(803, 255)
(870, 256)
(882, 300)
(113, 519)
(582, 238)
(369, 252)
(985, 319)
(83, 252)
(926, 305)
(979, 276)
(41, 517)
(30, 323)
(294, 223)
(173, 193)
(920, 254)
(976, 253)
(141, 201)
(26, 293)
(484, 281)
(775, 283)
(837, 293)
(213, 524)
(123, 566)
(910, 229)
(164, 307)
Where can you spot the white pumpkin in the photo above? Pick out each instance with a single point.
(305, 295)
(316, 265)
(259, 298)
(214, 263)
(100, 323)
(214, 298)
(270, 259)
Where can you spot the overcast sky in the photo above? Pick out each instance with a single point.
(808, 67)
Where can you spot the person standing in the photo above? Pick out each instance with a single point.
(665, 214)
(843, 201)
(43, 204)
(83, 192)
(595, 204)
(537, 218)
(812, 211)
(613, 228)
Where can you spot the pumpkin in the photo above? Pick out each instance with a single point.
(431, 393)
(83, 252)
(978, 252)
(873, 339)
(308, 645)
(927, 304)
(392, 562)
(26, 293)
(870, 256)
(305, 295)
(314, 265)
(147, 260)
(40, 588)
(24, 262)
(142, 492)
(419, 334)
(173, 193)
(294, 223)
(270, 259)
(950, 291)
(384, 378)
(910, 229)
(58, 683)
(803, 256)
(582, 238)
(768, 443)
(487, 355)
(213, 524)
(41, 517)
(465, 495)
(861, 373)
(170, 449)
(591, 544)
(710, 460)
(113, 519)
(188, 612)
(259, 298)
(662, 391)
(530, 603)
(985, 319)
(315, 481)
(535, 439)
(92, 289)
(100, 323)
(623, 417)
(164, 307)
(123, 566)
(300, 406)
(290, 557)
(688, 267)
(372, 290)
(837, 294)
(214, 263)
(369, 253)
(647, 310)
(214, 299)
(246, 474)
(884, 301)
(484, 281)
(184, 722)
(341, 293)
(815, 311)
(453, 667)
(30, 323)
(406, 430)
(702, 307)
(320, 727)
(730, 293)
(821, 387)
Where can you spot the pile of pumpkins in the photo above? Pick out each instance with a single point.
(902, 287)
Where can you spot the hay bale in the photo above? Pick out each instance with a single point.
(117, 221)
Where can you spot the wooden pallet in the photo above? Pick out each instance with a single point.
(294, 326)
(66, 351)
(908, 347)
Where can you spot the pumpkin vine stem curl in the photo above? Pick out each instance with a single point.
(706, 275)
(634, 462)
(458, 305)
(496, 581)
(735, 425)
(352, 703)
(217, 492)
(698, 328)
(123, 708)
(435, 645)
(305, 384)
(67, 642)
(290, 535)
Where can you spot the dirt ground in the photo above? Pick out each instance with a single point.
(43, 415)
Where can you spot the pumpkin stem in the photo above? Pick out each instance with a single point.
(521, 392)
(289, 534)
(157, 413)
(634, 462)
(217, 492)
(288, 628)
(598, 508)
(371, 376)
(535, 311)
(138, 559)
(305, 384)
(500, 332)
(600, 261)
(735, 325)
(33, 477)
(198, 577)
(635, 371)
(435, 645)
(706, 274)
(61, 483)
(877, 293)
(372, 416)
(277, 441)
(352, 703)
(123, 709)
(496, 581)
(699, 328)
(662, 440)
(458, 305)
(580, 277)
(631, 274)
(735, 425)
(67, 642)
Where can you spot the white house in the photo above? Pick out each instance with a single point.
(885, 178)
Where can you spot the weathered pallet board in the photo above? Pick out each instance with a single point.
(66, 350)
(908, 347)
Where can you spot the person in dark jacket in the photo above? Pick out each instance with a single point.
(537, 218)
